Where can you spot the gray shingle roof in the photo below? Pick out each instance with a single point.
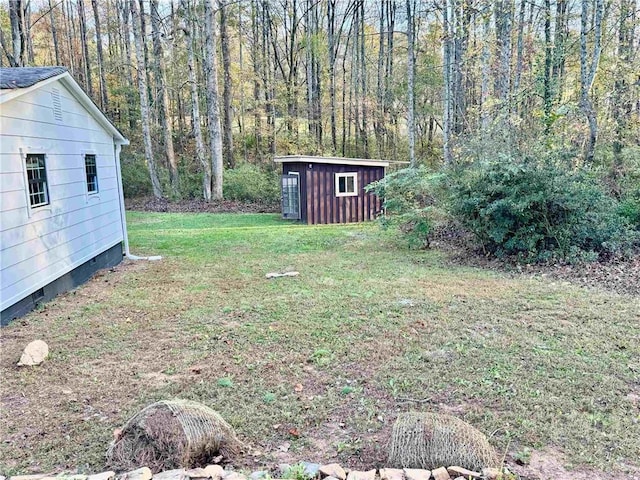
(23, 77)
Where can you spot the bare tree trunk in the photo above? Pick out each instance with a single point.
(256, 60)
(379, 124)
(486, 59)
(163, 98)
(227, 118)
(411, 65)
(54, 32)
(18, 10)
(201, 153)
(85, 48)
(144, 100)
(588, 68)
(519, 52)
(103, 83)
(447, 79)
(331, 48)
(126, 11)
(213, 109)
(503, 16)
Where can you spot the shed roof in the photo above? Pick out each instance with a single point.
(365, 162)
(23, 77)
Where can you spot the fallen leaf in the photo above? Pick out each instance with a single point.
(294, 432)
(298, 388)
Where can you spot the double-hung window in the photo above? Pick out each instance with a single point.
(91, 171)
(37, 180)
(346, 184)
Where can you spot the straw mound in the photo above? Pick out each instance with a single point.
(430, 440)
(172, 434)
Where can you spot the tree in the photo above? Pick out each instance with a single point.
(213, 109)
(411, 66)
(227, 118)
(162, 96)
(144, 101)
(588, 69)
(201, 155)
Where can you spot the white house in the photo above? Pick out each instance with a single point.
(61, 201)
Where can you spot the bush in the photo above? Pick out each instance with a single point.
(249, 183)
(410, 200)
(538, 212)
(135, 177)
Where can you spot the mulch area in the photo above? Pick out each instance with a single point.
(195, 205)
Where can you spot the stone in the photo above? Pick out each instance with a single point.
(310, 469)
(259, 474)
(216, 472)
(234, 476)
(34, 354)
(196, 473)
(391, 474)
(333, 470)
(441, 474)
(492, 473)
(283, 469)
(456, 471)
(417, 474)
(62, 476)
(140, 474)
(177, 474)
(27, 477)
(358, 475)
(102, 476)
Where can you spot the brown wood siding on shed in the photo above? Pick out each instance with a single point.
(318, 201)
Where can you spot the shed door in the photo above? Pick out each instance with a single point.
(291, 197)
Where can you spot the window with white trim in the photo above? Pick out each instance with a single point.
(91, 171)
(37, 180)
(346, 184)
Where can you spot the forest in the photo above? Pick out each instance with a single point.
(209, 91)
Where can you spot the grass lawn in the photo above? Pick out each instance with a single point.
(317, 367)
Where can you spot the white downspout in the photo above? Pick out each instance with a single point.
(123, 218)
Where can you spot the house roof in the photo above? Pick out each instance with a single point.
(365, 162)
(23, 77)
(17, 81)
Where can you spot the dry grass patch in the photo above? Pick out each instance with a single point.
(317, 367)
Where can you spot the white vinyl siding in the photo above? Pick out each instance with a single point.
(38, 245)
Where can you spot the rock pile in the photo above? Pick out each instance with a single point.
(331, 471)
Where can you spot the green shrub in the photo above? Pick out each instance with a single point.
(538, 212)
(630, 208)
(249, 183)
(135, 177)
(410, 201)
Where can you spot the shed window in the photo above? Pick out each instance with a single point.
(37, 180)
(92, 173)
(346, 184)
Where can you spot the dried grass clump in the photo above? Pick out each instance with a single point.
(172, 434)
(430, 440)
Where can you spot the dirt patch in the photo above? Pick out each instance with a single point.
(550, 464)
(151, 204)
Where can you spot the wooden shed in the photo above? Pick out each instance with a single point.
(329, 189)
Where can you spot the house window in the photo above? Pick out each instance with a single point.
(346, 184)
(37, 180)
(92, 173)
